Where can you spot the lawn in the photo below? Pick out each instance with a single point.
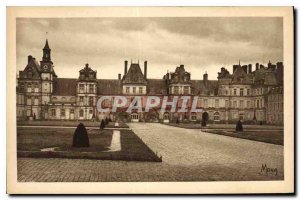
(225, 126)
(267, 136)
(31, 140)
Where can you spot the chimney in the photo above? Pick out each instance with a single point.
(145, 69)
(205, 78)
(119, 76)
(29, 58)
(125, 69)
(256, 66)
(249, 68)
(261, 66)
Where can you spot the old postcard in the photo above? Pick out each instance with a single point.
(150, 100)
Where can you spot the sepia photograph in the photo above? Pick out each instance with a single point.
(151, 97)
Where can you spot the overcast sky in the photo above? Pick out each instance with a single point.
(201, 44)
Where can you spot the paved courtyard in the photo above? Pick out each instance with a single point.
(188, 155)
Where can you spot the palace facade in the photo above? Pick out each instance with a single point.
(254, 95)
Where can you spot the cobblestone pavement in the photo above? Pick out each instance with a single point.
(188, 155)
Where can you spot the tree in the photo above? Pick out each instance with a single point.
(239, 126)
(80, 137)
(102, 124)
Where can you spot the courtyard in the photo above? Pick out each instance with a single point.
(187, 155)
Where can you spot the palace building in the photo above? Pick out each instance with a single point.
(251, 95)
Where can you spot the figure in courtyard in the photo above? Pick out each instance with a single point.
(239, 126)
(102, 125)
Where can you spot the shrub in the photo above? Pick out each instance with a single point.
(80, 137)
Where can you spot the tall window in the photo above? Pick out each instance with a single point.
(28, 100)
(194, 116)
(127, 89)
(53, 112)
(217, 103)
(216, 116)
(257, 103)
(29, 87)
(248, 104)
(91, 101)
(176, 90)
(241, 103)
(141, 90)
(134, 90)
(226, 103)
(234, 104)
(81, 113)
(241, 91)
(205, 103)
(81, 88)
(234, 91)
(186, 90)
(72, 111)
(36, 100)
(81, 99)
(91, 89)
(62, 113)
(248, 92)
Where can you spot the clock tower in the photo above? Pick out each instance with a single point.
(47, 74)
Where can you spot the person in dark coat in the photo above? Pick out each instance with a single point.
(102, 124)
(239, 126)
(80, 137)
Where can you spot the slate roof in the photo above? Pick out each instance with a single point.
(134, 75)
(157, 86)
(239, 76)
(64, 86)
(109, 87)
(200, 88)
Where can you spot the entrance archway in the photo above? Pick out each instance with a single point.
(205, 118)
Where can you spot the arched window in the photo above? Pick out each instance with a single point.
(216, 116)
(63, 98)
(166, 116)
(241, 116)
(81, 113)
(54, 98)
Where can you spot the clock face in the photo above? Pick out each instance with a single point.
(45, 67)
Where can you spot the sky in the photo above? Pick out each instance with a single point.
(202, 44)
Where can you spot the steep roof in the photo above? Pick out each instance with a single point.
(239, 76)
(109, 87)
(46, 45)
(157, 86)
(134, 75)
(199, 87)
(64, 86)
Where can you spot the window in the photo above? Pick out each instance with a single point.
(186, 90)
(62, 112)
(217, 103)
(234, 104)
(36, 100)
(28, 100)
(248, 104)
(248, 92)
(226, 103)
(216, 116)
(91, 101)
(194, 116)
(91, 111)
(241, 103)
(53, 112)
(22, 87)
(241, 116)
(134, 90)
(29, 88)
(81, 113)
(226, 92)
(80, 99)
(141, 90)
(72, 111)
(257, 103)
(91, 89)
(205, 103)
(127, 89)
(234, 91)
(241, 91)
(81, 88)
(166, 116)
(176, 90)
